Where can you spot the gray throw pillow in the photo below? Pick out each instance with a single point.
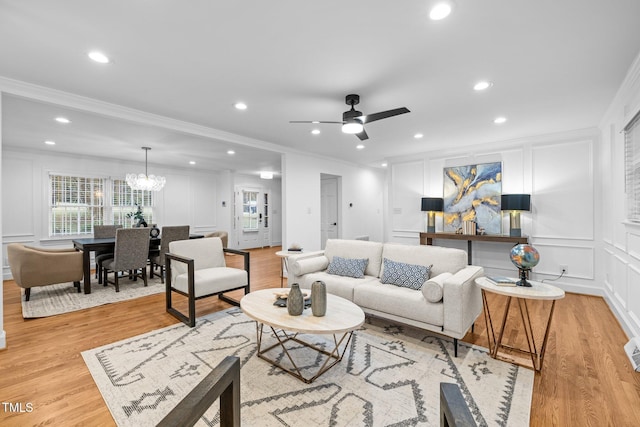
(410, 276)
(349, 267)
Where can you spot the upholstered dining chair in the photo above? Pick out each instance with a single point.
(103, 232)
(31, 267)
(196, 269)
(169, 234)
(130, 254)
(223, 235)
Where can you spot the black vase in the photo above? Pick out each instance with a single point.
(295, 300)
(318, 298)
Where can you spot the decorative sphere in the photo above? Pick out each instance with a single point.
(525, 257)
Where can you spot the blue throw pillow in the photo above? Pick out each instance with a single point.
(350, 267)
(410, 276)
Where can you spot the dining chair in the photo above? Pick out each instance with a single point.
(169, 234)
(130, 254)
(103, 232)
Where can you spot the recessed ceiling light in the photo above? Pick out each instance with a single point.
(418, 135)
(440, 10)
(315, 122)
(50, 142)
(384, 165)
(266, 175)
(99, 57)
(360, 146)
(482, 85)
(63, 120)
(231, 152)
(316, 131)
(240, 106)
(192, 162)
(499, 120)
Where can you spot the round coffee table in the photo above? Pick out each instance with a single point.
(341, 319)
(537, 291)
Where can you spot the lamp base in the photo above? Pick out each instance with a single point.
(523, 279)
(431, 229)
(515, 232)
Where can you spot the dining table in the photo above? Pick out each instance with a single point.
(91, 244)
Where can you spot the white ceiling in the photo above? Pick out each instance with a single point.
(555, 65)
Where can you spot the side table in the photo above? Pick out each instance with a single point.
(284, 264)
(537, 291)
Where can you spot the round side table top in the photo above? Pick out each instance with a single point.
(342, 315)
(538, 290)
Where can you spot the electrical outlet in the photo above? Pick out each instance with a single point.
(563, 268)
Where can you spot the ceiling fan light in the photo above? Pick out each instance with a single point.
(352, 126)
(440, 10)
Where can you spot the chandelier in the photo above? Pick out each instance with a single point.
(144, 181)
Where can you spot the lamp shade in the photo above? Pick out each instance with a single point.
(433, 204)
(515, 202)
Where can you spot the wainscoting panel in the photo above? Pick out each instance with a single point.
(407, 189)
(620, 273)
(608, 263)
(633, 245)
(633, 294)
(580, 260)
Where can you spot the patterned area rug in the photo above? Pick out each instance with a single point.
(63, 298)
(390, 375)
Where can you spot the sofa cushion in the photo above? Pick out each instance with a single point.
(410, 276)
(309, 265)
(398, 301)
(357, 249)
(350, 267)
(432, 288)
(336, 285)
(443, 259)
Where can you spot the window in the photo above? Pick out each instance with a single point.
(75, 204)
(250, 210)
(124, 201)
(632, 167)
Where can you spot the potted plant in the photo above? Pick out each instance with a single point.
(138, 216)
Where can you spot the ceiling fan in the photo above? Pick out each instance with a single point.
(353, 121)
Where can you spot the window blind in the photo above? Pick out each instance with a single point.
(75, 204)
(632, 167)
(124, 201)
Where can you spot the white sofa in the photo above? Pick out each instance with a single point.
(452, 314)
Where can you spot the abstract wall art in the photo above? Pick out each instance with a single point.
(472, 193)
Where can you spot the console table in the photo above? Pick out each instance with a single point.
(427, 239)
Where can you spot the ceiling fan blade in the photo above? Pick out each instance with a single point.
(312, 121)
(384, 114)
(362, 135)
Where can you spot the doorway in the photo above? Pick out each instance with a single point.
(251, 217)
(329, 208)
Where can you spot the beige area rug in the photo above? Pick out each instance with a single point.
(390, 375)
(63, 298)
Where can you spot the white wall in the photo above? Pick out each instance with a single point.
(557, 170)
(362, 188)
(189, 196)
(621, 239)
(3, 335)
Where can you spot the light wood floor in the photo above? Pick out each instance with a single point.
(586, 379)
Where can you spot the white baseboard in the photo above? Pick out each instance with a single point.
(3, 340)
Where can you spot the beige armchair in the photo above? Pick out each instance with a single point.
(32, 266)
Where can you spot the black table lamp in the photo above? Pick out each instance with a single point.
(515, 203)
(431, 205)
